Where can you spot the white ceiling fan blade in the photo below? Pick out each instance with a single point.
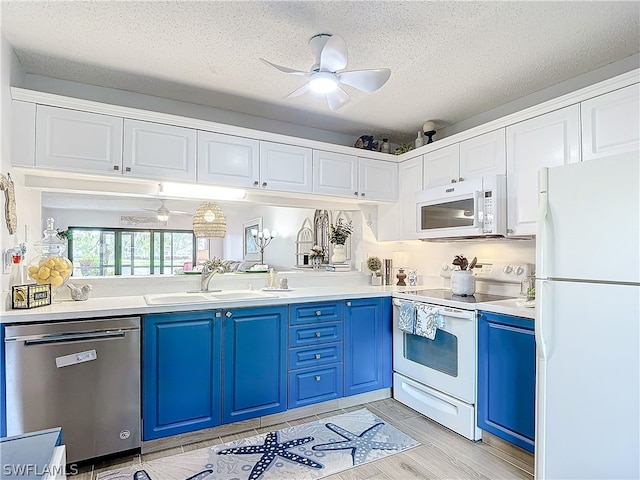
(365, 80)
(285, 69)
(338, 98)
(334, 55)
(299, 91)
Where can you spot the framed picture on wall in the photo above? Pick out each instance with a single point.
(250, 249)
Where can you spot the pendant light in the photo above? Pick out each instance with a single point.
(209, 221)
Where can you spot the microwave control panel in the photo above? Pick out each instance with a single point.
(487, 209)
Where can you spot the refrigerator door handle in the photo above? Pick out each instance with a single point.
(542, 315)
(542, 233)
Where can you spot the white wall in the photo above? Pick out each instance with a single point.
(27, 202)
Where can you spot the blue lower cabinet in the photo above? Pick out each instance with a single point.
(507, 378)
(315, 384)
(254, 363)
(3, 398)
(180, 373)
(367, 345)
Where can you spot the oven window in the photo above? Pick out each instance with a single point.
(440, 354)
(444, 215)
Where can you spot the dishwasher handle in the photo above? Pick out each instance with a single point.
(70, 337)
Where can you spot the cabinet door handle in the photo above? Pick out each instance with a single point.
(264, 184)
(127, 169)
(355, 193)
(116, 167)
(318, 334)
(317, 356)
(218, 314)
(256, 183)
(317, 378)
(362, 194)
(318, 313)
(348, 304)
(228, 314)
(460, 179)
(453, 180)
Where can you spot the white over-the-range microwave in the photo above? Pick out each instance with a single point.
(468, 209)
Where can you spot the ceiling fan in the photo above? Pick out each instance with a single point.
(326, 74)
(162, 212)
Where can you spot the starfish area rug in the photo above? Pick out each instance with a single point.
(303, 452)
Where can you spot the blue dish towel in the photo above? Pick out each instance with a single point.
(428, 320)
(407, 318)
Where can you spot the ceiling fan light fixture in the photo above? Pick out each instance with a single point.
(323, 82)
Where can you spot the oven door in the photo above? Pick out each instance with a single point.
(446, 363)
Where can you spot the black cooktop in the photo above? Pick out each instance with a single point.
(448, 295)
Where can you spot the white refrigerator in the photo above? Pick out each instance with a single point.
(587, 321)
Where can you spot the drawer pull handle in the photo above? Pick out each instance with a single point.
(318, 313)
(318, 334)
(317, 378)
(116, 167)
(317, 356)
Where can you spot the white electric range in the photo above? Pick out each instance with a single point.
(438, 377)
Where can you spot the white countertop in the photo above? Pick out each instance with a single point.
(136, 305)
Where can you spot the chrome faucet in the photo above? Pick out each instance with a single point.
(206, 277)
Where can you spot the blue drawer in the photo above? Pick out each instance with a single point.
(315, 355)
(313, 385)
(303, 335)
(315, 312)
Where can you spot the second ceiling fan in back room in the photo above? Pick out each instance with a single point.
(326, 75)
(162, 212)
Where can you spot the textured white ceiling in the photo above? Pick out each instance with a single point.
(449, 60)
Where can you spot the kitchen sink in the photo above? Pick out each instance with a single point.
(204, 297)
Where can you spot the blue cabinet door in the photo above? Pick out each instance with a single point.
(367, 345)
(255, 362)
(507, 378)
(180, 373)
(3, 406)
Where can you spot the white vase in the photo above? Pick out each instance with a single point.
(376, 280)
(463, 282)
(338, 254)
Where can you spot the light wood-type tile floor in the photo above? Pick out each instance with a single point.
(441, 455)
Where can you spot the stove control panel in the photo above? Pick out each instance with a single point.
(494, 271)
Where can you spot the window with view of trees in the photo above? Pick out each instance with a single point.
(113, 251)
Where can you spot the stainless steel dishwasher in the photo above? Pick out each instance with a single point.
(83, 376)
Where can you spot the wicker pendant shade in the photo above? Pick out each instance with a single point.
(209, 221)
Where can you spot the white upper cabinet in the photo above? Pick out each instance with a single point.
(476, 157)
(377, 180)
(228, 160)
(442, 166)
(78, 141)
(483, 155)
(23, 139)
(549, 140)
(611, 123)
(157, 151)
(285, 167)
(335, 174)
(410, 175)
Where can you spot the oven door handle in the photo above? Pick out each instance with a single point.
(462, 314)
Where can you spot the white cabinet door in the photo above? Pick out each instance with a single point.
(549, 140)
(377, 180)
(611, 123)
(442, 167)
(23, 134)
(483, 155)
(154, 150)
(410, 174)
(285, 167)
(228, 160)
(335, 174)
(78, 141)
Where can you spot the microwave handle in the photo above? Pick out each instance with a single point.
(478, 221)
